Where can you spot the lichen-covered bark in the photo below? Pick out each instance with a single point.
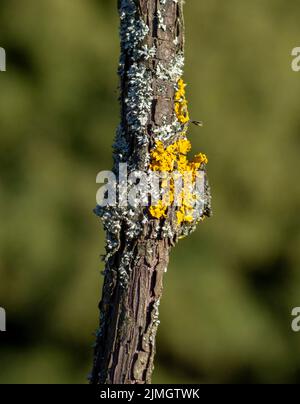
(138, 246)
(126, 343)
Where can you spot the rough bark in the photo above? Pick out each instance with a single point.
(126, 347)
(138, 247)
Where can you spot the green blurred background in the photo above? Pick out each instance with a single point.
(231, 286)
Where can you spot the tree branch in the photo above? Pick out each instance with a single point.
(139, 240)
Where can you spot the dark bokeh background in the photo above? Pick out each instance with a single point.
(231, 286)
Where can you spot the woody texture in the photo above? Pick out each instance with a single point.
(152, 138)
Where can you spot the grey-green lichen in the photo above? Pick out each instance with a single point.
(133, 132)
(135, 111)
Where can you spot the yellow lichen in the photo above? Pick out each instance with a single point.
(181, 104)
(200, 159)
(173, 158)
(159, 210)
(164, 159)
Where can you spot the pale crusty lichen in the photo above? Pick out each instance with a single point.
(164, 146)
(135, 115)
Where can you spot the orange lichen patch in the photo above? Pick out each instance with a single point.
(181, 104)
(200, 159)
(185, 212)
(164, 159)
(173, 159)
(159, 210)
(183, 216)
